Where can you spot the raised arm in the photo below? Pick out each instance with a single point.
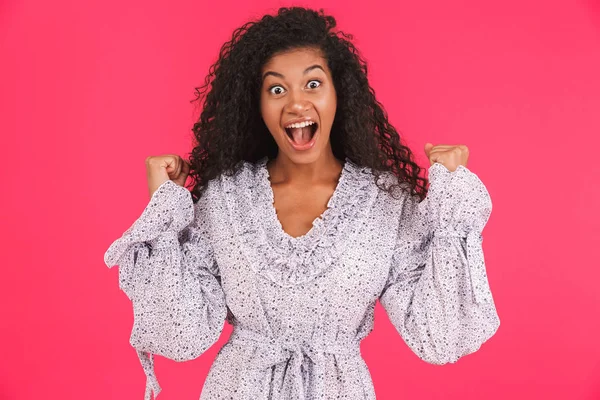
(437, 294)
(167, 269)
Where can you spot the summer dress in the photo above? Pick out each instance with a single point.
(300, 306)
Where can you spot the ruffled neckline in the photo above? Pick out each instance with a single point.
(264, 179)
(282, 258)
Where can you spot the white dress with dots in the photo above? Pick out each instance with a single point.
(300, 306)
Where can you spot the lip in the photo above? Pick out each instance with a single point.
(306, 146)
(296, 120)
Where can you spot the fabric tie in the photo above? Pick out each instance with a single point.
(152, 386)
(296, 354)
(476, 262)
(475, 265)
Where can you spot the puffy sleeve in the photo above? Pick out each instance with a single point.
(168, 271)
(437, 294)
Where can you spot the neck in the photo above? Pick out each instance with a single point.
(325, 168)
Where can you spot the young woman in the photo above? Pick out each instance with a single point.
(306, 208)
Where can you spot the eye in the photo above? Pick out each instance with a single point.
(271, 89)
(316, 81)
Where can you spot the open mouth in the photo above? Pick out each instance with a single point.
(302, 136)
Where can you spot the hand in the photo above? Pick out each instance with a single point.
(449, 156)
(160, 169)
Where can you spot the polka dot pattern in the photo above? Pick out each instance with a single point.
(301, 305)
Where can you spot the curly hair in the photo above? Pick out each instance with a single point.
(231, 130)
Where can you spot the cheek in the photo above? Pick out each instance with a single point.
(263, 108)
(267, 112)
(271, 118)
(327, 106)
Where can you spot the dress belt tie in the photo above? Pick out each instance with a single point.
(273, 351)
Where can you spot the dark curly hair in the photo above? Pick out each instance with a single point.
(231, 130)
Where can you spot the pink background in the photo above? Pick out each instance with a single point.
(89, 89)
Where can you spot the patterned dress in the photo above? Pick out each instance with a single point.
(300, 306)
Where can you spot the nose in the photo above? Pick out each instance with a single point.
(297, 102)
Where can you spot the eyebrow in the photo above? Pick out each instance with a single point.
(306, 71)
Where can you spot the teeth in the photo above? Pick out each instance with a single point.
(300, 124)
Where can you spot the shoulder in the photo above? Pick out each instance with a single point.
(398, 203)
(229, 186)
(245, 174)
(390, 190)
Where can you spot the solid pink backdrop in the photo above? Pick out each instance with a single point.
(89, 89)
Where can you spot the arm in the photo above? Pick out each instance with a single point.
(437, 294)
(168, 271)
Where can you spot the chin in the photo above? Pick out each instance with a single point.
(300, 157)
(304, 158)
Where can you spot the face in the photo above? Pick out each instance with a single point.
(297, 87)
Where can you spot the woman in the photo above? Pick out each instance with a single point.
(306, 209)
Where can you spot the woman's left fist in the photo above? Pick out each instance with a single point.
(448, 155)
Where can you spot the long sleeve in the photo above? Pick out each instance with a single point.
(168, 270)
(437, 295)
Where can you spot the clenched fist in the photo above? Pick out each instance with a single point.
(160, 169)
(450, 156)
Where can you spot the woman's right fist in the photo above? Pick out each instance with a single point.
(160, 169)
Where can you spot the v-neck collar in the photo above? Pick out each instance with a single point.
(273, 253)
(272, 217)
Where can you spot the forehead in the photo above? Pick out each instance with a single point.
(295, 61)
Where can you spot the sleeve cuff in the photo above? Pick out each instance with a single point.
(457, 201)
(170, 210)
